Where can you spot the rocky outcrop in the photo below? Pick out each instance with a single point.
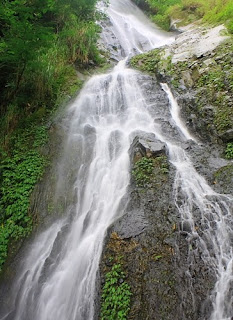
(146, 146)
(198, 68)
(152, 244)
(166, 273)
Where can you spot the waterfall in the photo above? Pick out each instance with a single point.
(57, 278)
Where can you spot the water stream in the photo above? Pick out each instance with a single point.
(58, 275)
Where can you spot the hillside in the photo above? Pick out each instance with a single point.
(182, 12)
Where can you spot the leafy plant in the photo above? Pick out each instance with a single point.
(163, 164)
(115, 298)
(20, 171)
(142, 171)
(146, 168)
(229, 151)
(40, 43)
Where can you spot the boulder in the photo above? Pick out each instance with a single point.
(145, 146)
(227, 136)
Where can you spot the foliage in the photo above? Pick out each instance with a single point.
(142, 170)
(162, 164)
(159, 9)
(229, 150)
(146, 168)
(223, 116)
(116, 293)
(212, 81)
(40, 43)
(213, 11)
(19, 173)
(147, 61)
(215, 87)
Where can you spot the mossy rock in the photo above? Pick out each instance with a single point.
(223, 177)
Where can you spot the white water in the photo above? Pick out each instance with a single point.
(133, 30)
(175, 113)
(59, 273)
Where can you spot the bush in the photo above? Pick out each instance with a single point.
(20, 171)
(213, 11)
(115, 298)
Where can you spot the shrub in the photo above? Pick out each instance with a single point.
(115, 298)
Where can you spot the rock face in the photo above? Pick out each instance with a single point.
(153, 246)
(144, 145)
(195, 42)
(147, 231)
(198, 69)
(150, 238)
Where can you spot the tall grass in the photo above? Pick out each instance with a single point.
(212, 11)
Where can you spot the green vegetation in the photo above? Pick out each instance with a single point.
(224, 178)
(211, 79)
(160, 10)
(146, 169)
(19, 173)
(41, 44)
(152, 62)
(142, 170)
(115, 298)
(229, 150)
(187, 11)
(147, 61)
(215, 88)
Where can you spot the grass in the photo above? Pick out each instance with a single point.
(187, 11)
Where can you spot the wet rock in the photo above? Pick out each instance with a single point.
(185, 227)
(227, 136)
(89, 130)
(208, 62)
(154, 247)
(187, 145)
(153, 148)
(146, 147)
(131, 224)
(217, 163)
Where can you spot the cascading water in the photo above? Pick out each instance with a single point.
(213, 230)
(58, 276)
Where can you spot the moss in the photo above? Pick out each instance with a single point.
(223, 177)
(147, 61)
(215, 88)
(223, 118)
(210, 79)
